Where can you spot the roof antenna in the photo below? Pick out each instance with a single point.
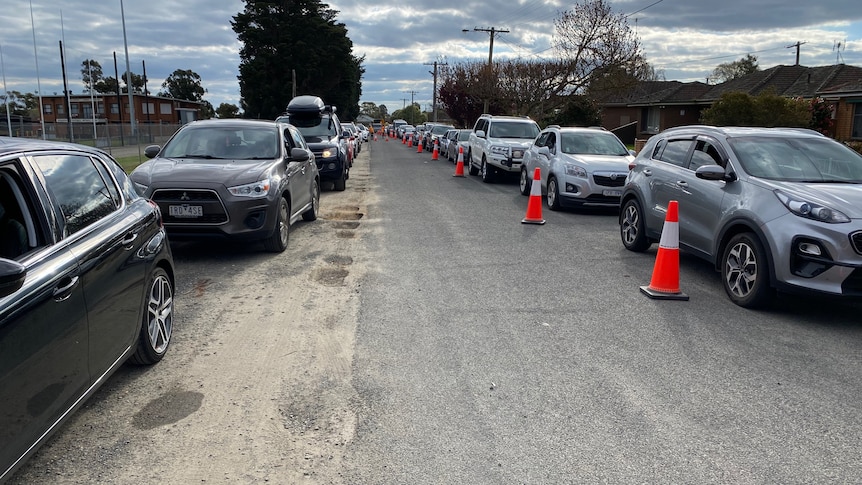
(837, 47)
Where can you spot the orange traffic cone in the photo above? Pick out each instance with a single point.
(534, 206)
(435, 154)
(410, 142)
(404, 139)
(459, 165)
(665, 274)
(419, 146)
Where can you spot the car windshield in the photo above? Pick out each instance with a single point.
(224, 143)
(598, 143)
(791, 159)
(513, 129)
(440, 129)
(464, 135)
(314, 127)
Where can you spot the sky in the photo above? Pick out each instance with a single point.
(683, 39)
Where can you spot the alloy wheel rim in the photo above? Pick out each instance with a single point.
(523, 180)
(741, 266)
(315, 200)
(630, 225)
(552, 192)
(282, 222)
(160, 314)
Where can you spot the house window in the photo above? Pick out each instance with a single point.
(100, 107)
(115, 108)
(74, 109)
(857, 121)
(48, 109)
(148, 108)
(88, 111)
(165, 108)
(652, 120)
(60, 109)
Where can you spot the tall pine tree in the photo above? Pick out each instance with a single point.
(279, 37)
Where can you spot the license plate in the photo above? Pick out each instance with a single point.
(185, 211)
(612, 193)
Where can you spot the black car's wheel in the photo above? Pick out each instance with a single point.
(487, 172)
(745, 271)
(632, 228)
(311, 213)
(553, 194)
(471, 169)
(157, 323)
(525, 184)
(341, 183)
(277, 242)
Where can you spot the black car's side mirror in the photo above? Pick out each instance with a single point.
(299, 155)
(12, 276)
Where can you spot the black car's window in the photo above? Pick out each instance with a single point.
(78, 188)
(675, 152)
(106, 175)
(17, 225)
(315, 127)
(705, 153)
(294, 137)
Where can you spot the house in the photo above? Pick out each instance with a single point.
(657, 105)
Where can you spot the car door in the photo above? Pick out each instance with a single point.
(531, 160)
(701, 199)
(43, 331)
(106, 236)
(300, 174)
(666, 172)
(549, 162)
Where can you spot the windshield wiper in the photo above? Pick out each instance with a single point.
(833, 181)
(206, 157)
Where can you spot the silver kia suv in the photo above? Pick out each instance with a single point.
(772, 208)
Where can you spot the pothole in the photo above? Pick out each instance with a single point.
(345, 234)
(331, 276)
(340, 260)
(346, 216)
(345, 225)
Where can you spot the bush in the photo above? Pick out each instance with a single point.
(766, 109)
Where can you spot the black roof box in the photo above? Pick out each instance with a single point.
(308, 105)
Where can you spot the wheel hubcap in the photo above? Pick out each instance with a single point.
(283, 221)
(160, 314)
(315, 201)
(741, 267)
(552, 193)
(630, 225)
(523, 180)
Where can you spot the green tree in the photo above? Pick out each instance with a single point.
(766, 109)
(732, 70)
(301, 36)
(183, 84)
(91, 74)
(370, 109)
(579, 110)
(227, 110)
(411, 114)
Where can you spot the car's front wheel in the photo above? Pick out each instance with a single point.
(553, 194)
(311, 213)
(470, 167)
(341, 183)
(157, 323)
(487, 172)
(632, 227)
(745, 271)
(277, 242)
(524, 184)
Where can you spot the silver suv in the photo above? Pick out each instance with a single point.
(579, 167)
(772, 208)
(498, 143)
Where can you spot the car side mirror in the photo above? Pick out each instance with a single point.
(714, 172)
(299, 155)
(12, 276)
(480, 133)
(151, 151)
(545, 151)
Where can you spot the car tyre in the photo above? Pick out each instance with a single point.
(157, 322)
(633, 228)
(745, 271)
(277, 242)
(553, 194)
(311, 213)
(525, 183)
(487, 172)
(341, 183)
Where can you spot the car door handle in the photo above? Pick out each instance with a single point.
(62, 293)
(129, 240)
(682, 183)
(647, 172)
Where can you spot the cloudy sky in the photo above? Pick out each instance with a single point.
(683, 38)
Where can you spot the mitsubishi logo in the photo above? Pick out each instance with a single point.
(185, 196)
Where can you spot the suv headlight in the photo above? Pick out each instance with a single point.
(500, 150)
(575, 171)
(256, 189)
(329, 152)
(811, 210)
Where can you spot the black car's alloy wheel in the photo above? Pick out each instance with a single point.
(311, 213)
(157, 322)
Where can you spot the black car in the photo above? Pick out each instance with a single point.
(325, 136)
(86, 283)
(232, 178)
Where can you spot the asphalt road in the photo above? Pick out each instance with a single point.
(418, 333)
(489, 351)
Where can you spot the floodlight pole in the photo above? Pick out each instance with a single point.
(128, 74)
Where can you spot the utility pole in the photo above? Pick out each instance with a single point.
(434, 95)
(797, 45)
(412, 93)
(492, 31)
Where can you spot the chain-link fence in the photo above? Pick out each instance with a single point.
(100, 135)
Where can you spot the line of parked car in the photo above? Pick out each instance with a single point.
(771, 208)
(86, 270)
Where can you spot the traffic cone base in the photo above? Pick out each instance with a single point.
(664, 284)
(534, 205)
(459, 165)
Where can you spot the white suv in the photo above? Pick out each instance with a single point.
(498, 143)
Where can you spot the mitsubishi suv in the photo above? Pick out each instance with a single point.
(498, 144)
(771, 208)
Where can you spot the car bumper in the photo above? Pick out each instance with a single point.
(330, 168)
(837, 270)
(506, 164)
(599, 190)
